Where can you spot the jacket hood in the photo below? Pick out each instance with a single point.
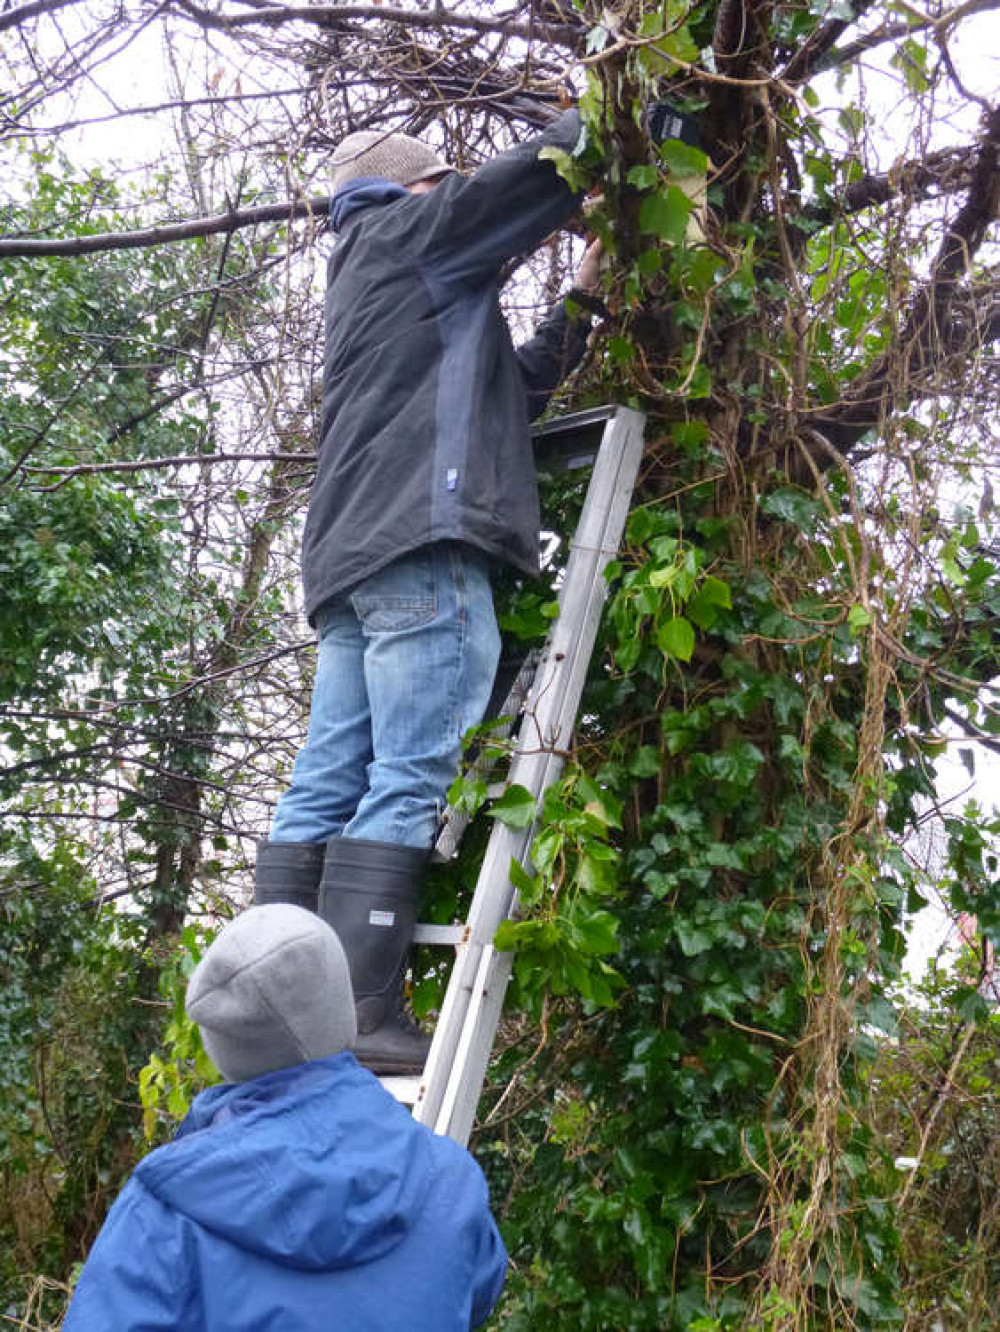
(313, 1166)
(363, 193)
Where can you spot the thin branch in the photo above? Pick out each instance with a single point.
(232, 220)
(155, 108)
(973, 732)
(930, 334)
(152, 464)
(947, 170)
(328, 15)
(807, 58)
(947, 1086)
(889, 32)
(13, 18)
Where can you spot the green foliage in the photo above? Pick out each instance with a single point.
(678, 1143)
(665, 598)
(73, 1026)
(110, 608)
(46, 927)
(937, 1107)
(167, 1085)
(68, 559)
(567, 930)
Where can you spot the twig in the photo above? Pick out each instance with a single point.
(231, 220)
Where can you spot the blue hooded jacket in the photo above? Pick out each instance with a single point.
(307, 1199)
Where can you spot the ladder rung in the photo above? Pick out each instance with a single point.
(405, 1089)
(443, 935)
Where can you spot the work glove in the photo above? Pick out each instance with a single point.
(665, 121)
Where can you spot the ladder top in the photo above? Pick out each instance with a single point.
(573, 441)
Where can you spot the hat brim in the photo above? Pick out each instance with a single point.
(431, 173)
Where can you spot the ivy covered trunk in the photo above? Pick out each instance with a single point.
(710, 1144)
(763, 712)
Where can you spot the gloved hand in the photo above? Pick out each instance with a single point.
(665, 121)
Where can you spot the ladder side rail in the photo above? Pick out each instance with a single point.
(457, 820)
(549, 717)
(458, 1111)
(457, 1106)
(531, 765)
(504, 845)
(495, 900)
(473, 1030)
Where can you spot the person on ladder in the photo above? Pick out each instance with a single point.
(425, 481)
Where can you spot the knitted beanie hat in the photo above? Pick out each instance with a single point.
(273, 989)
(397, 157)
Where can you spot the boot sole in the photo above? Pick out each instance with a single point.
(388, 1067)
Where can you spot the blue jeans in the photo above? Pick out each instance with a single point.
(406, 664)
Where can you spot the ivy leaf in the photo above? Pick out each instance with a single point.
(880, 1014)
(603, 983)
(621, 350)
(575, 176)
(665, 214)
(692, 939)
(507, 936)
(911, 60)
(529, 886)
(700, 383)
(595, 932)
(600, 803)
(645, 762)
(467, 794)
(713, 595)
(970, 1005)
(792, 505)
(720, 855)
(691, 436)
(516, 807)
(858, 619)
(682, 159)
(675, 638)
(643, 177)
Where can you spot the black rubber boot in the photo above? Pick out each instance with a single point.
(369, 894)
(289, 872)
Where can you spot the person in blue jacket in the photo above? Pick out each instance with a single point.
(298, 1196)
(425, 484)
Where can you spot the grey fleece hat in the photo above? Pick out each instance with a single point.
(273, 989)
(397, 157)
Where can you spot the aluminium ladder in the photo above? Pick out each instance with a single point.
(547, 695)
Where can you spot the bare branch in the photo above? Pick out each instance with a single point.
(806, 59)
(155, 464)
(890, 32)
(13, 18)
(232, 220)
(945, 171)
(187, 103)
(327, 15)
(930, 335)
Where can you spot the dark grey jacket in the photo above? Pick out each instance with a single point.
(426, 402)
